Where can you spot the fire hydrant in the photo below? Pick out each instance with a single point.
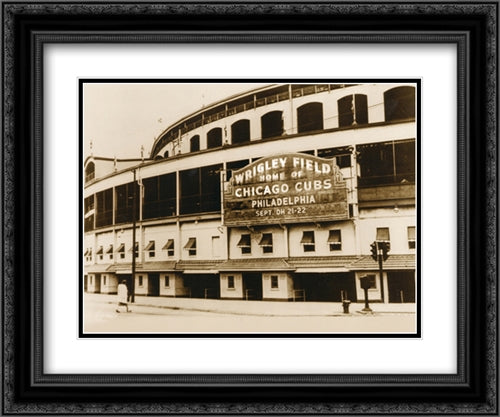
(345, 305)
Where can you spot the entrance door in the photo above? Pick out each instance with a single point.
(97, 283)
(401, 286)
(154, 285)
(326, 287)
(203, 285)
(252, 286)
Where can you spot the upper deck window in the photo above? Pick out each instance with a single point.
(89, 171)
(200, 189)
(89, 211)
(159, 196)
(271, 124)
(399, 103)
(240, 131)
(104, 208)
(353, 110)
(125, 202)
(387, 163)
(214, 138)
(310, 117)
(194, 143)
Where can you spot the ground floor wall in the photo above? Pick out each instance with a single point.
(396, 286)
(101, 283)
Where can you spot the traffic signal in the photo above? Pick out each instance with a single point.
(374, 250)
(386, 247)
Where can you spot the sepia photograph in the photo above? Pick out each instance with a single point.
(262, 208)
(249, 208)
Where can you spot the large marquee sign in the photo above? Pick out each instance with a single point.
(290, 188)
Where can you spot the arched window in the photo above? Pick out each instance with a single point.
(89, 171)
(272, 124)
(214, 138)
(240, 131)
(158, 157)
(310, 117)
(165, 155)
(399, 103)
(353, 110)
(194, 143)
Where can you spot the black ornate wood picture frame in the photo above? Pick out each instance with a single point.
(29, 26)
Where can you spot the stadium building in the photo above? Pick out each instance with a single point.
(273, 194)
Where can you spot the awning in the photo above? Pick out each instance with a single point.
(411, 233)
(266, 240)
(198, 267)
(191, 244)
(110, 249)
(244, 241)
(99, 251)
(124, 271)
(169, 244)
(312, 264)
(334, 236)
(200, 271)
(307, 238)
(320, 270)
(125, 268)
(121, 248)
(256, 265)
(86, 252)
(150, 246)
(393, 262)
(95, 269)
(136, 247)
(160, 266)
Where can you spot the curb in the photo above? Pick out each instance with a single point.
(249, 313)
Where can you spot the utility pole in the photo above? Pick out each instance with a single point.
(381, 267)
(134, 205)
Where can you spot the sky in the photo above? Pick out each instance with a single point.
(120, 118)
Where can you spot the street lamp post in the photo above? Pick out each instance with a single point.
(366, 284)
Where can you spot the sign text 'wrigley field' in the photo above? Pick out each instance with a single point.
(283, 187)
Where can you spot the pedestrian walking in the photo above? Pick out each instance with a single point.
(122, 296)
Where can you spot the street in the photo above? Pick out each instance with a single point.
(100, 316)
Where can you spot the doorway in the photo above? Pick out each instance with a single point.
(326, 287)
(252, 286)
(401, 286)
(154, 285)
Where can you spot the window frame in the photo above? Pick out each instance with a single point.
(275, 282)
(379, 231)
(335, 246)
(308, 246)
(267, 248)
(412, 242)
(191, 249)
(245, 249)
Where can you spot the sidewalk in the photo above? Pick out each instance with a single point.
(258, 308)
